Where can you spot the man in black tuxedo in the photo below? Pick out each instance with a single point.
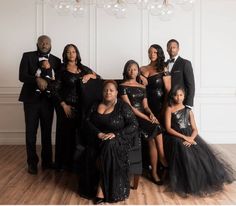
(37, 107)
(181, 72)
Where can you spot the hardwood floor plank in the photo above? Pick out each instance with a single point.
(50, 187)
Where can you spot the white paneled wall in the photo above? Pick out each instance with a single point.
(206, 35)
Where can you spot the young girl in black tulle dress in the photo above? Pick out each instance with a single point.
(194, 167)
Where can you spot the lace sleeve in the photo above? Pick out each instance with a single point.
(92, 129)
(130, 130)
(55, 89)
(88, 70)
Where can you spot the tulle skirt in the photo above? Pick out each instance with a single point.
(197, 170)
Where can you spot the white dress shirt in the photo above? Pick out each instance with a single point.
(171, 64)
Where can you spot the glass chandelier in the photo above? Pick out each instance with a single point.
(164, 9)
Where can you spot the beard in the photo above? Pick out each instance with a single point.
(42, 52)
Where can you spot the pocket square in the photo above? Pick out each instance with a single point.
(175, 71)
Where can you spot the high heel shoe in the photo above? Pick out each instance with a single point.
(164, 171)
(157, 182)
(98, 200)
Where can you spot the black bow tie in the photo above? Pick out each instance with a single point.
(44, 55)
(171, 60)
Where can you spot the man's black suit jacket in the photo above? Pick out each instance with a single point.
(182, 74)
(28, 67)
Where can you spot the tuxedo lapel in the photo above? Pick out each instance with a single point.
(34, 61)
(51, 59)
(176, 65)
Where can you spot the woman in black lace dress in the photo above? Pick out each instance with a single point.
(195, 167)
(112, 127)
(134, 94)
(66, 95)
(157, 80)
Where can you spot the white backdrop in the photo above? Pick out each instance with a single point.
(206, 35)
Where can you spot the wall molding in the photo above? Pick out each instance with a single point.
(92, 29)
(224, 128)
(145, 35)
(39, 18)
(216, 92)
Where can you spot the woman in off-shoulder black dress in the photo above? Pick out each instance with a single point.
(135, 94)
(195, 167)
(157, 80)
(66, 95)
(112, 127)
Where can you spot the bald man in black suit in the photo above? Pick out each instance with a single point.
(181, 72)
(37, 108)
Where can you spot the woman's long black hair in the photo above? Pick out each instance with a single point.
(64, 55)
(160, 65)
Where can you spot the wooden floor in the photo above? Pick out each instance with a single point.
(49, 187)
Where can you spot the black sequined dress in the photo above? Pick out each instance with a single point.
(198, 169)
(67, 89)
(136, 96)
(156, 93)
(108, 160)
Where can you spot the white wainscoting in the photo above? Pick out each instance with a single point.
(206, 35)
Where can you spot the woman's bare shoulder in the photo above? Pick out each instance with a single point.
(144, 71)
(141, 85)
(135, 84)
(123, 83)
(144, 68)
(169, 109)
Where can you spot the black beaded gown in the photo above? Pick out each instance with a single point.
(67, 89)
(108, 160)
(156, 93)
(198, 169)
(136, 96)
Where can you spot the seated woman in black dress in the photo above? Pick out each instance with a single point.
(134, 94)
(112, 127)
(195, 168)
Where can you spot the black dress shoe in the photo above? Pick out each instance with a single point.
(32, 169)
(98, 200)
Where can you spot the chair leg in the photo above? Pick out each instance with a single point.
(136, 180)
